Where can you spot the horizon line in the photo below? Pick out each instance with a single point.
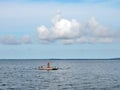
(61, 58)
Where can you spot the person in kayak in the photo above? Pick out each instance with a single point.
(48, 65)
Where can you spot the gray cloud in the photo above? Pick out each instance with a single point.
(9, 39)
(26, 39)
(72, 31)
(12, 40)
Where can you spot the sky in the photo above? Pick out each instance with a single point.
(43, 29)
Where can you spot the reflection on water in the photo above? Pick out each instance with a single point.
(73, 75)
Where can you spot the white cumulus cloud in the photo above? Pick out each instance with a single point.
(72, 31)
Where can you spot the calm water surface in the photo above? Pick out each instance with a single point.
(72, 75)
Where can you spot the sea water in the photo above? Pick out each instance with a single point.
(72, 75)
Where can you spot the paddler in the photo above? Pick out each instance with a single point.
(48, 65)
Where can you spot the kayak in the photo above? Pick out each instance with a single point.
(48, 68)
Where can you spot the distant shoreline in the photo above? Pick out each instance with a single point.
(66, 59)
